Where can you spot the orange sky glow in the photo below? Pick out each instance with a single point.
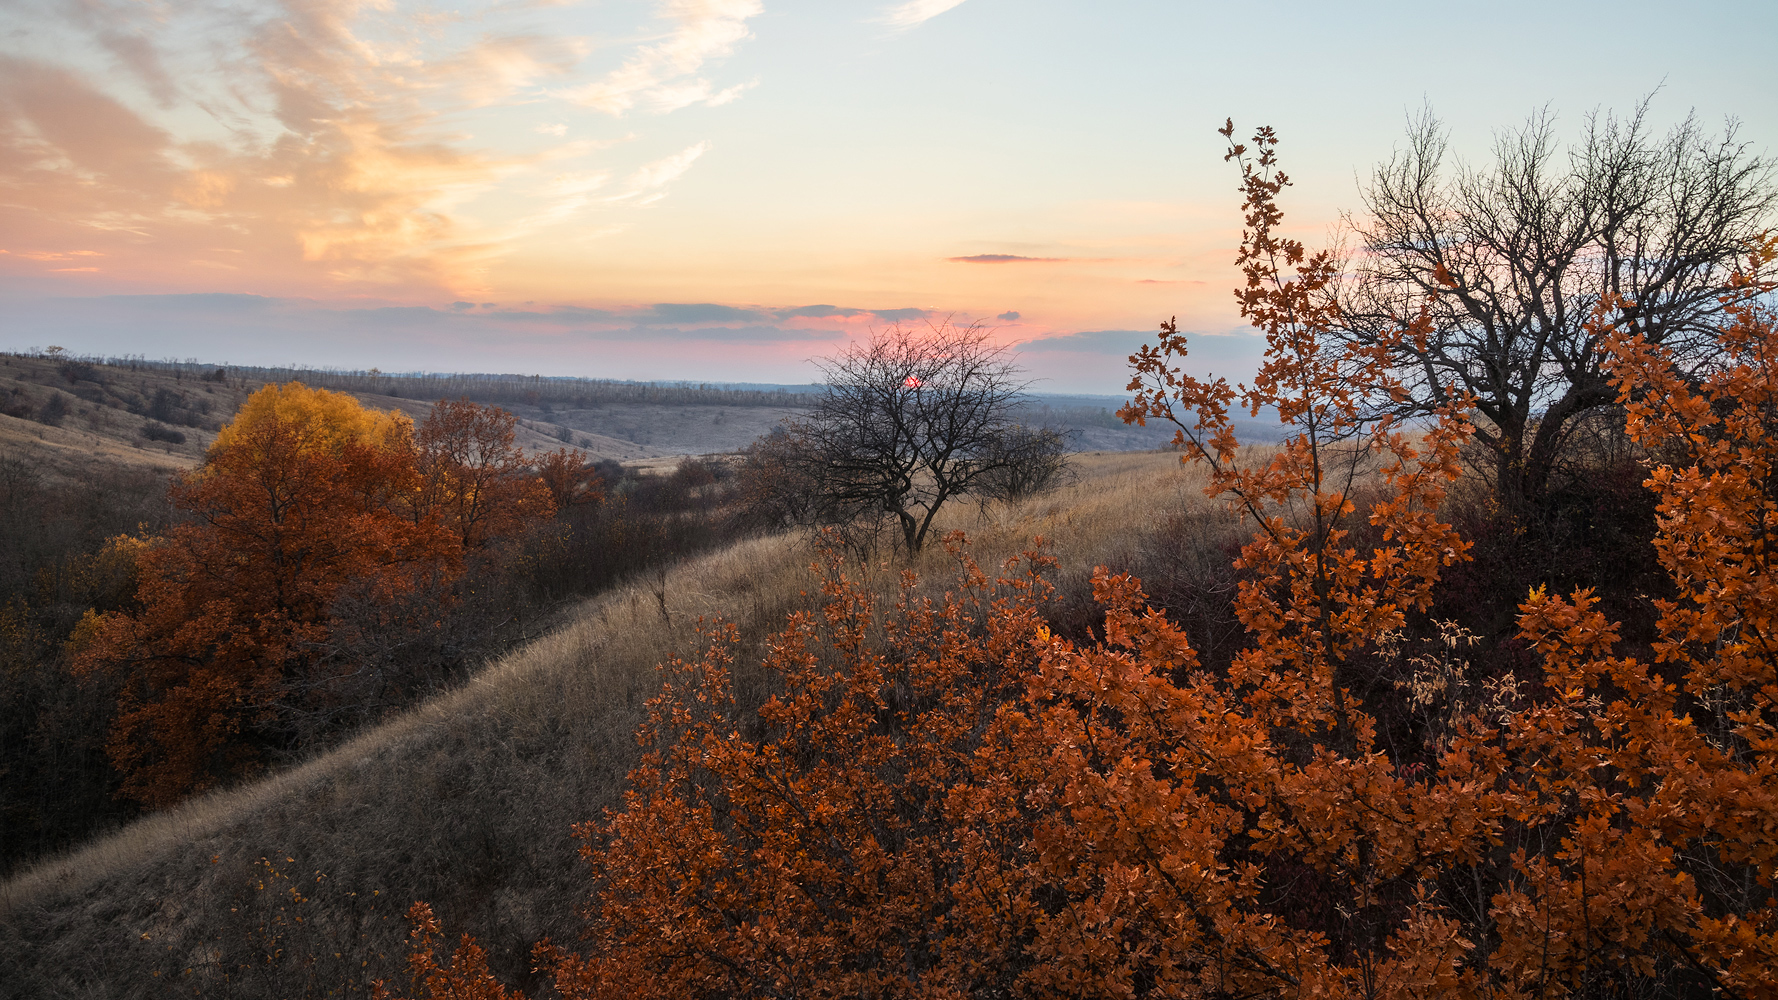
(717, 189)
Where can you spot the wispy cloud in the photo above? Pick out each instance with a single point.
(332, 154)
(1004, 258)
(916, 12)
(494, 69)
(662, 76)
(668, 169)
(648, 184)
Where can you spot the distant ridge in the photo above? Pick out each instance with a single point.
(501, 384)
(484, 387)
(581, 405)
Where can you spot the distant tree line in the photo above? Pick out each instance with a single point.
(531, 390)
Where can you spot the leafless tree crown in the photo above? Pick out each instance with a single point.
(913, 419)
(1511, 258)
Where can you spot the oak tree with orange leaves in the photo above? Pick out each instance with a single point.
(473, 478)
(307, 502)
(302, 493)
(569, 478)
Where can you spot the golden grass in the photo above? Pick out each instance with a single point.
(467, 800)
(59, 452)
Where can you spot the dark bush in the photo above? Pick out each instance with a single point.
(691, 474)
(54, 566)
(92, 393)
(1592, 529)
(154, 431)
(609, 470)
(165, 407)
(53, 411)
(80, 371)
(774, 490)
(642, 523)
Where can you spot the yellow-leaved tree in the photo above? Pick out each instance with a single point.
(304, 492)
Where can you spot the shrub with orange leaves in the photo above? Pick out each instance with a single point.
(569, 478)
(472, 477)
(841, 852)
(1648, 787)
(860, 841)
(1243, 833)
(464, 977)
(972, 806)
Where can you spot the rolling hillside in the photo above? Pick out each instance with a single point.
(296, 885)
(60, 413)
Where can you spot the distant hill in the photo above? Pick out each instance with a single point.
(59, 412)
(60, 415)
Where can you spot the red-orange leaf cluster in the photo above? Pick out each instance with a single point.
(473, 480)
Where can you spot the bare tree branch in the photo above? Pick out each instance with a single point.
(910, 421)
(1511, 259)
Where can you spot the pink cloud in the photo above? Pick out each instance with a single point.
(1004, 258)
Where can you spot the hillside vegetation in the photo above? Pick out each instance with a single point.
(90, 446)
(115, 406)
(468, 801)
(90, 460)
(63, 413)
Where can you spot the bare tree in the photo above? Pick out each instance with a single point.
(912, 420)
(1511, 260)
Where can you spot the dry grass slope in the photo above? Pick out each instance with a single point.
(106, 415)
(467, 801)
(117, 415)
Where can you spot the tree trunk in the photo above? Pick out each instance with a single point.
(1546, 444)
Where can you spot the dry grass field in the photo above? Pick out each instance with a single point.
(651, 430)
(295, 885)
(59, 417)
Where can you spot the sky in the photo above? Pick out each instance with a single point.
(728, 190)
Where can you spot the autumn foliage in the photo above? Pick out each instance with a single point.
(474, 481)
(306, 500)
(946, 799)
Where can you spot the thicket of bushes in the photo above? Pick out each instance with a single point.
(69, 550)
(56, 785)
